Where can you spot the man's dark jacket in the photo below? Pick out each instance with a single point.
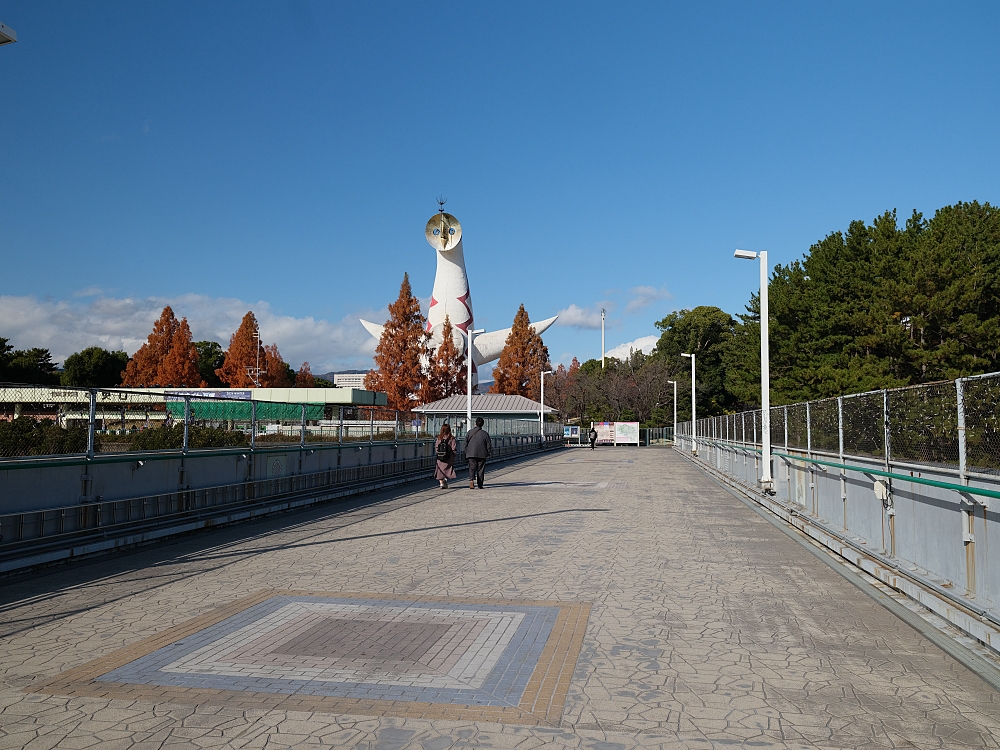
(477, 443)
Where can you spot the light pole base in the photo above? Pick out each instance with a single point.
(767, 486)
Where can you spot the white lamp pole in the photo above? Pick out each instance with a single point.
(694, 416)
(602, 338)
(674, 383)
(468, 378)
(766, 481)
(541, 413)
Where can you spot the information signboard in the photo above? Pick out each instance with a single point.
(626, 433)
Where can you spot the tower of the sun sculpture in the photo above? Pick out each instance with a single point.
(451, 296)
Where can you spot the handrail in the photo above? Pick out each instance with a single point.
(962, 488)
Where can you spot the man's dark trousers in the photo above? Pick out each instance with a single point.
(477, 470)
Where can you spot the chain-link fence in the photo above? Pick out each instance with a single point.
(40, 421)
(949, 423)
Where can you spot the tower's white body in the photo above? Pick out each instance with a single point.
(451, 297)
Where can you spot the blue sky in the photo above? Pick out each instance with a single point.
(285, 156)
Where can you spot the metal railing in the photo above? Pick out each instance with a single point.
(911, 475)
(39, 421)
(27, 532)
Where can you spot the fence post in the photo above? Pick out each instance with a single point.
(371, 426)
(253, 424)
(963, 467)
(340, 427)
(91, 423)
(890, 509)
(302, 442)
(187, 421)
(395, 428)
(786, 428)
(887, 434)
(840, 449)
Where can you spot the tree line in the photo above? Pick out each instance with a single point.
(168, 358)
(413, 368)
(880, 305)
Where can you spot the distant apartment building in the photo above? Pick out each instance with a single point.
(349, 380)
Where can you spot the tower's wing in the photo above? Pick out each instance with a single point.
(373, 328)
(489, 345)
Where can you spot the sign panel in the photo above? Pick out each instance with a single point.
(571, 433)
(626, 433)
(605, 432)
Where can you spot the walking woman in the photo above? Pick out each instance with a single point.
(444, 451)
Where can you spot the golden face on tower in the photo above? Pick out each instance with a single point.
(443, 231)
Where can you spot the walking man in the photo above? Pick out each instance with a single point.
(477, 449)
(593, 436)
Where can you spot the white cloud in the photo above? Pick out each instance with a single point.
(645, 344)
(65, 327)
(579, 317)
(90, 291)
(643, 296)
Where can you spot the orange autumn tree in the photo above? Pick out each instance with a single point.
(559, 386)
(168, 358)
(246, 353)
(522, 360)
(180, 367)
(277, 373)
(447, 373)
(400, 352)
(304, 377)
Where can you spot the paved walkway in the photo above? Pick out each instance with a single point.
(604, 599)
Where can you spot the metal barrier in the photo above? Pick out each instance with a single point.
(909, 476)
(29, 533)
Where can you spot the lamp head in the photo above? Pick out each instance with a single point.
(7, 34)
(745, 254)
(685, 354)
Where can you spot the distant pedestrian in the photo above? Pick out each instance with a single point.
(477, 449)
(593, 437)
(444, 453)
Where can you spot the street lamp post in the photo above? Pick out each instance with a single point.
(468, 378)
(766, 481)
(541, 412)
(602, 338)
(694, 416)
(674, 383)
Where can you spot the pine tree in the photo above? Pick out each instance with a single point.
(144, 369)
(447, 371)
(244, 353)
(304, 377)
(180, 366)
(522, 360)
(400, 352)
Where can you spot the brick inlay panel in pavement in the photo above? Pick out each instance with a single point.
(336, 650)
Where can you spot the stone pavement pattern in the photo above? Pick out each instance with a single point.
(708, 627)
